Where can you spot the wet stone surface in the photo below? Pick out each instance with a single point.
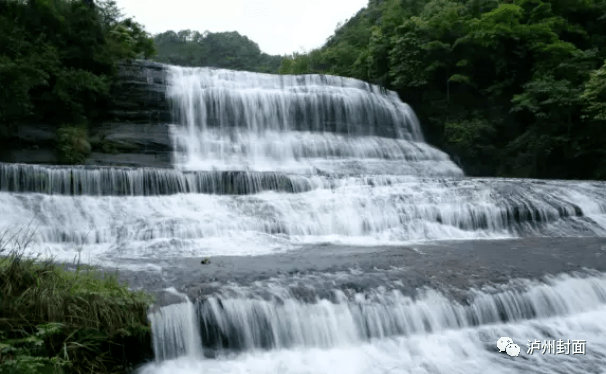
(448, 266)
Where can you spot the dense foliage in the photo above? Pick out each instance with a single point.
(511, 88)
(228, 50)
(58, 59)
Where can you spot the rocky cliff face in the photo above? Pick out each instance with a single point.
(135, 134)
(139, 94)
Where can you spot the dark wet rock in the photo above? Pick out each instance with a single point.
(30, 143)
(35, 134)
(137, 133)
(139, 92)
(127, 137)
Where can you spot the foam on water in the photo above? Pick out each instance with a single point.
(467, 351)
(376, 331)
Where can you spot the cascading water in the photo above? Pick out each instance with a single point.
(239, 120)
(174, 330)
(380, 330)
(269, 164)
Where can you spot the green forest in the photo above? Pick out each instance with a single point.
(228, 50)
(511, 88)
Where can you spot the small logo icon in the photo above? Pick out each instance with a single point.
(503, 343)
(513, 350)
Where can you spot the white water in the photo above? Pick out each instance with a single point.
(378, 331)
(466, 351)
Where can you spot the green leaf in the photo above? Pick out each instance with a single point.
(459, 78)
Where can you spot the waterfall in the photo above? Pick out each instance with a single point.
(175, 330)
(268, 164)
(241, 120)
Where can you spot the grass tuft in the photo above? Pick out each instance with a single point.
(57, 320)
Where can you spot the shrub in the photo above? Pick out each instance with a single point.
(72, 144)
